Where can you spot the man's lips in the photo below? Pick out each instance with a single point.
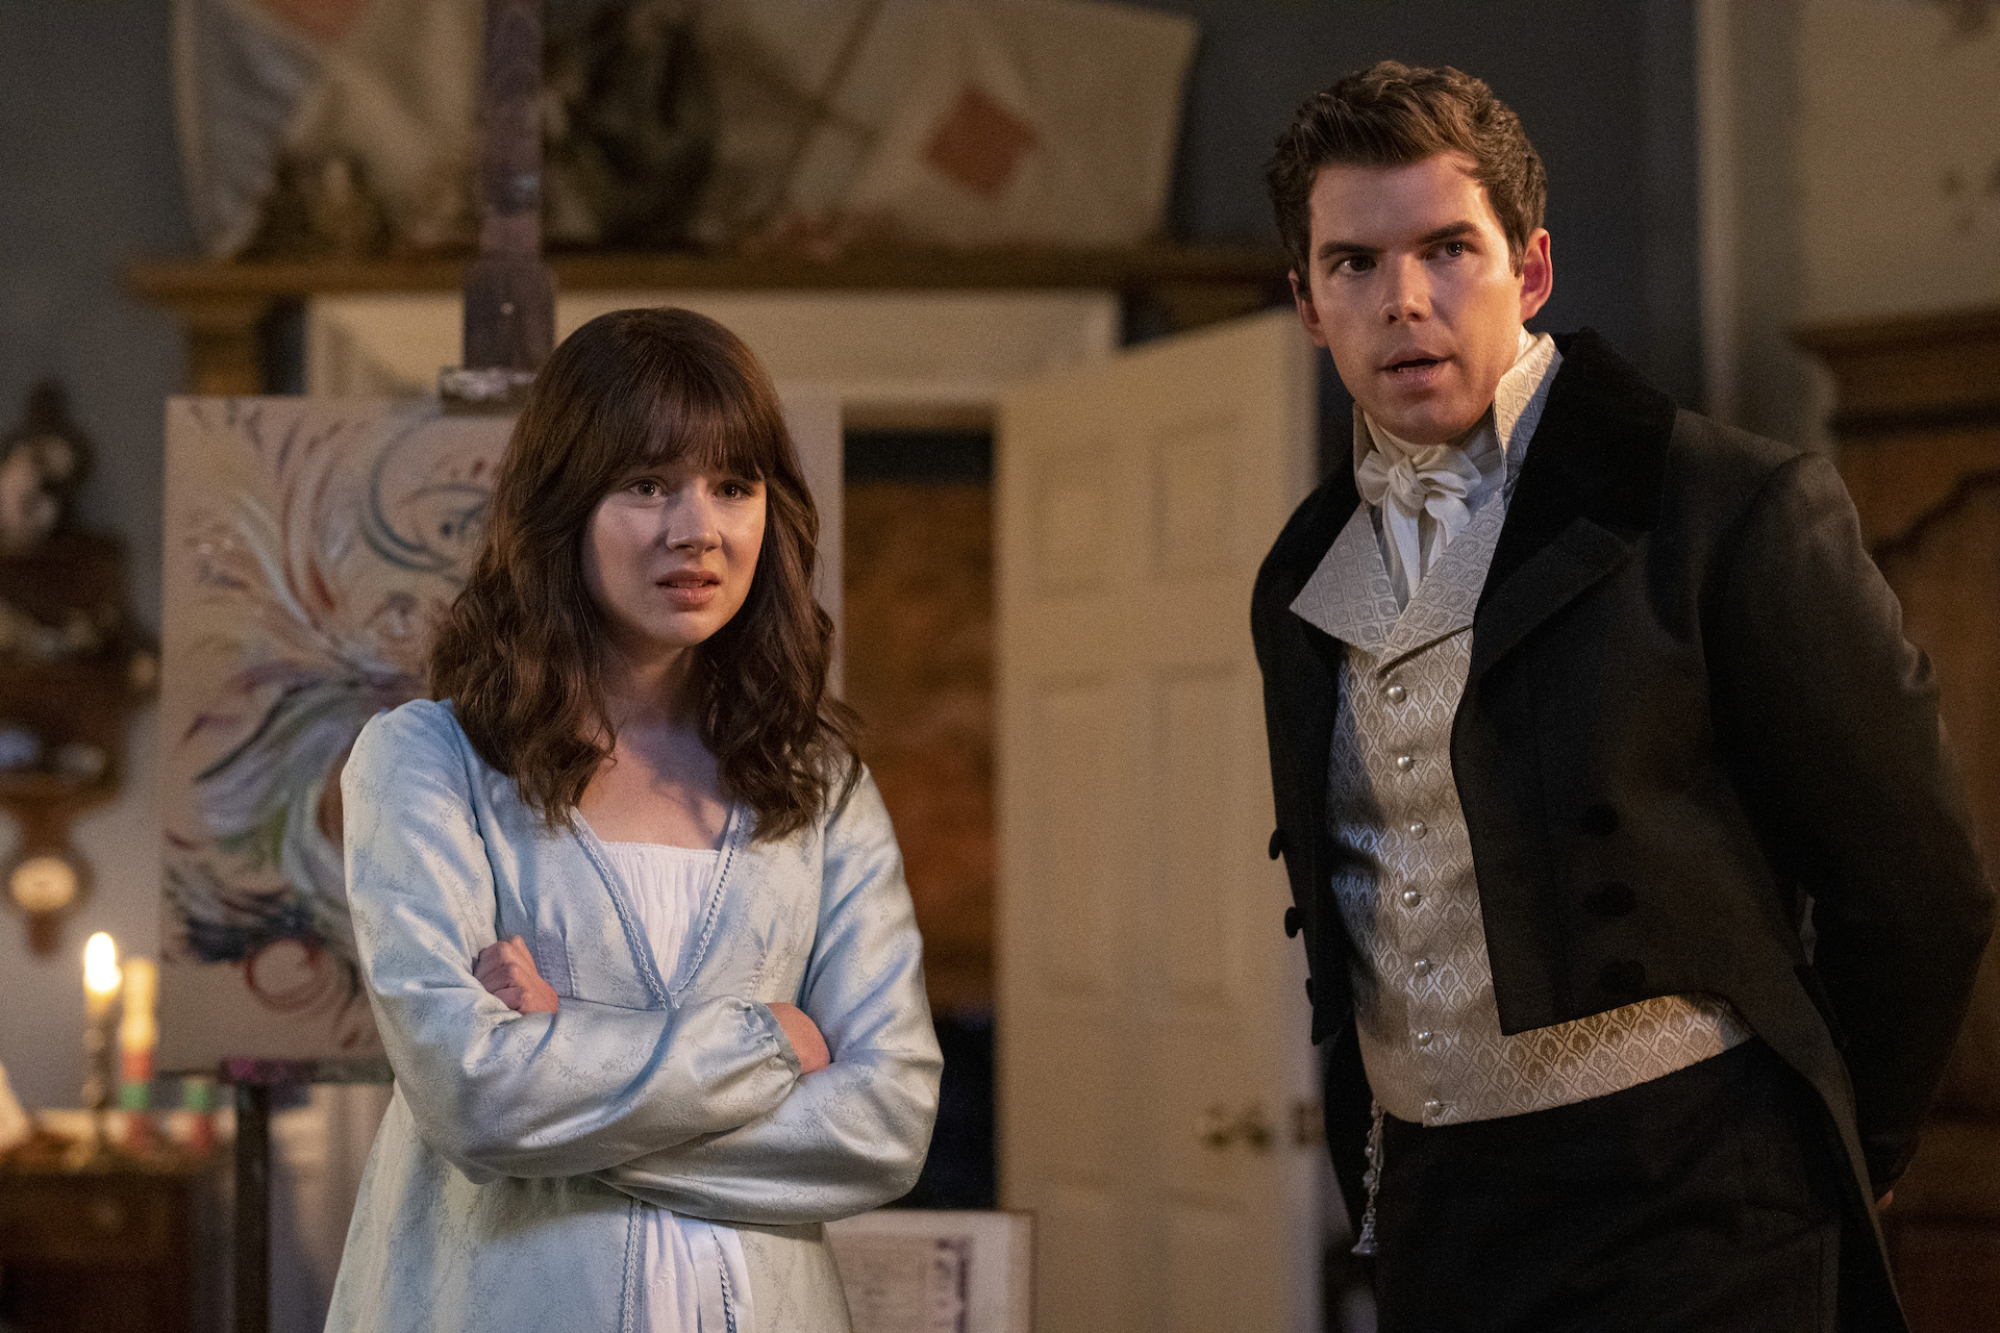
(1413, 363)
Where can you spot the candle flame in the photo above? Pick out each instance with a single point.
(100, 965)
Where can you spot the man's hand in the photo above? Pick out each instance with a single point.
(804, 1035)
(507, 970)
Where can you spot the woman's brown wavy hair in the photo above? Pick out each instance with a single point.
(521, 652)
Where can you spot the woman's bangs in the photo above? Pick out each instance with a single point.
(710, 431)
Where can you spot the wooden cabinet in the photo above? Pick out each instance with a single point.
(103, 1251)
(1918, 422)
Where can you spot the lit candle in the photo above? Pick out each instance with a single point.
(100, 975)
(100, 989)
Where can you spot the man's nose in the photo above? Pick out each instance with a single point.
(1407, 291)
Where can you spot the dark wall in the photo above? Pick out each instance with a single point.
(88, 179)
(1606, 89)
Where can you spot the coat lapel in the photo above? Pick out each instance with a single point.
(1588, 490)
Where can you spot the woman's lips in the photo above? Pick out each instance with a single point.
(690, 592)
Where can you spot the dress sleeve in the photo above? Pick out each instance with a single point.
(853, 1135)
(495, 1092)
(1830, 717)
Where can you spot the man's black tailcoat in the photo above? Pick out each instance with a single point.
(1695, 754)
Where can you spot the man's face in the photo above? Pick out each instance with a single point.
(1412, 292)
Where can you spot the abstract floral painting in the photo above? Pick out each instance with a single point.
(310, 547)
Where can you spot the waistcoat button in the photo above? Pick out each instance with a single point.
(1422, 967)
(1395, 693)
(1292, 922)
(1433, 1106)
(1405, 762)
(1411, 897)
(1419, 828)
(1423, 1039)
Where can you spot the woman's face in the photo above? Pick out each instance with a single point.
(669, 556)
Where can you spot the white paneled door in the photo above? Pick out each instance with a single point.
(1153, 1028)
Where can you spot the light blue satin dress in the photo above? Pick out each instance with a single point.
(509, 1185)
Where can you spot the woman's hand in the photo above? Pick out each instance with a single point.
(507, 970)
(804, 1035)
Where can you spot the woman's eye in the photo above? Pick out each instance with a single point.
(645, 486)
(737, 490)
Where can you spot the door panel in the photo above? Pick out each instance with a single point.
(1152, 1018)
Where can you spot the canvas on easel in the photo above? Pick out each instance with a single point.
(310, 546)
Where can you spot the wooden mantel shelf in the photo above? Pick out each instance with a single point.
(223, 304)
(171, 281)
(1911, 371)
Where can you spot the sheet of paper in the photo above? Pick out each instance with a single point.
(907, 1284)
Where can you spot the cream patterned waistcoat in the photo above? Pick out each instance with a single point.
(1429, 1028)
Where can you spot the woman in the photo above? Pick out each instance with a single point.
(630, 911)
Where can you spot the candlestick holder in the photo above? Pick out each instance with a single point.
(97, 1076)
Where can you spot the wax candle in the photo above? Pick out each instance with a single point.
(138, 1034)
(100, 988)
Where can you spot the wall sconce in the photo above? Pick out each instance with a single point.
(72, 666)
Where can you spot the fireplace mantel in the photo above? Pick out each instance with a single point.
(224, 306)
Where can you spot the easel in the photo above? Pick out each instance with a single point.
(510, 323)
(254, 1081)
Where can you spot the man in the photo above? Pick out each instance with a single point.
(1639, 898)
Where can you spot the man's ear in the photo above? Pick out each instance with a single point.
(1308, 312)
(1538, 275)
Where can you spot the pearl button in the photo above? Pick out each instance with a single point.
(1419, 828)
(1411, 897)
(1433, 1106)
(1423, 1039)
(1405, 762)
(1395, 693)
(1422, 967)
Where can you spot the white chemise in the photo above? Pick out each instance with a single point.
(669, 886)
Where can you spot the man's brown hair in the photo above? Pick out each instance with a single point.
(1390, 115)
(521, 653)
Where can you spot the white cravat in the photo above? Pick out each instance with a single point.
(1425, 494)
(1409, 483)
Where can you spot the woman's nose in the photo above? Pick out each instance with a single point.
(690, 522)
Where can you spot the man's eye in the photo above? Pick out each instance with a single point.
(1454, 249)
(1353, 264)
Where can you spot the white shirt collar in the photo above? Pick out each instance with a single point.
(1500, 439)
